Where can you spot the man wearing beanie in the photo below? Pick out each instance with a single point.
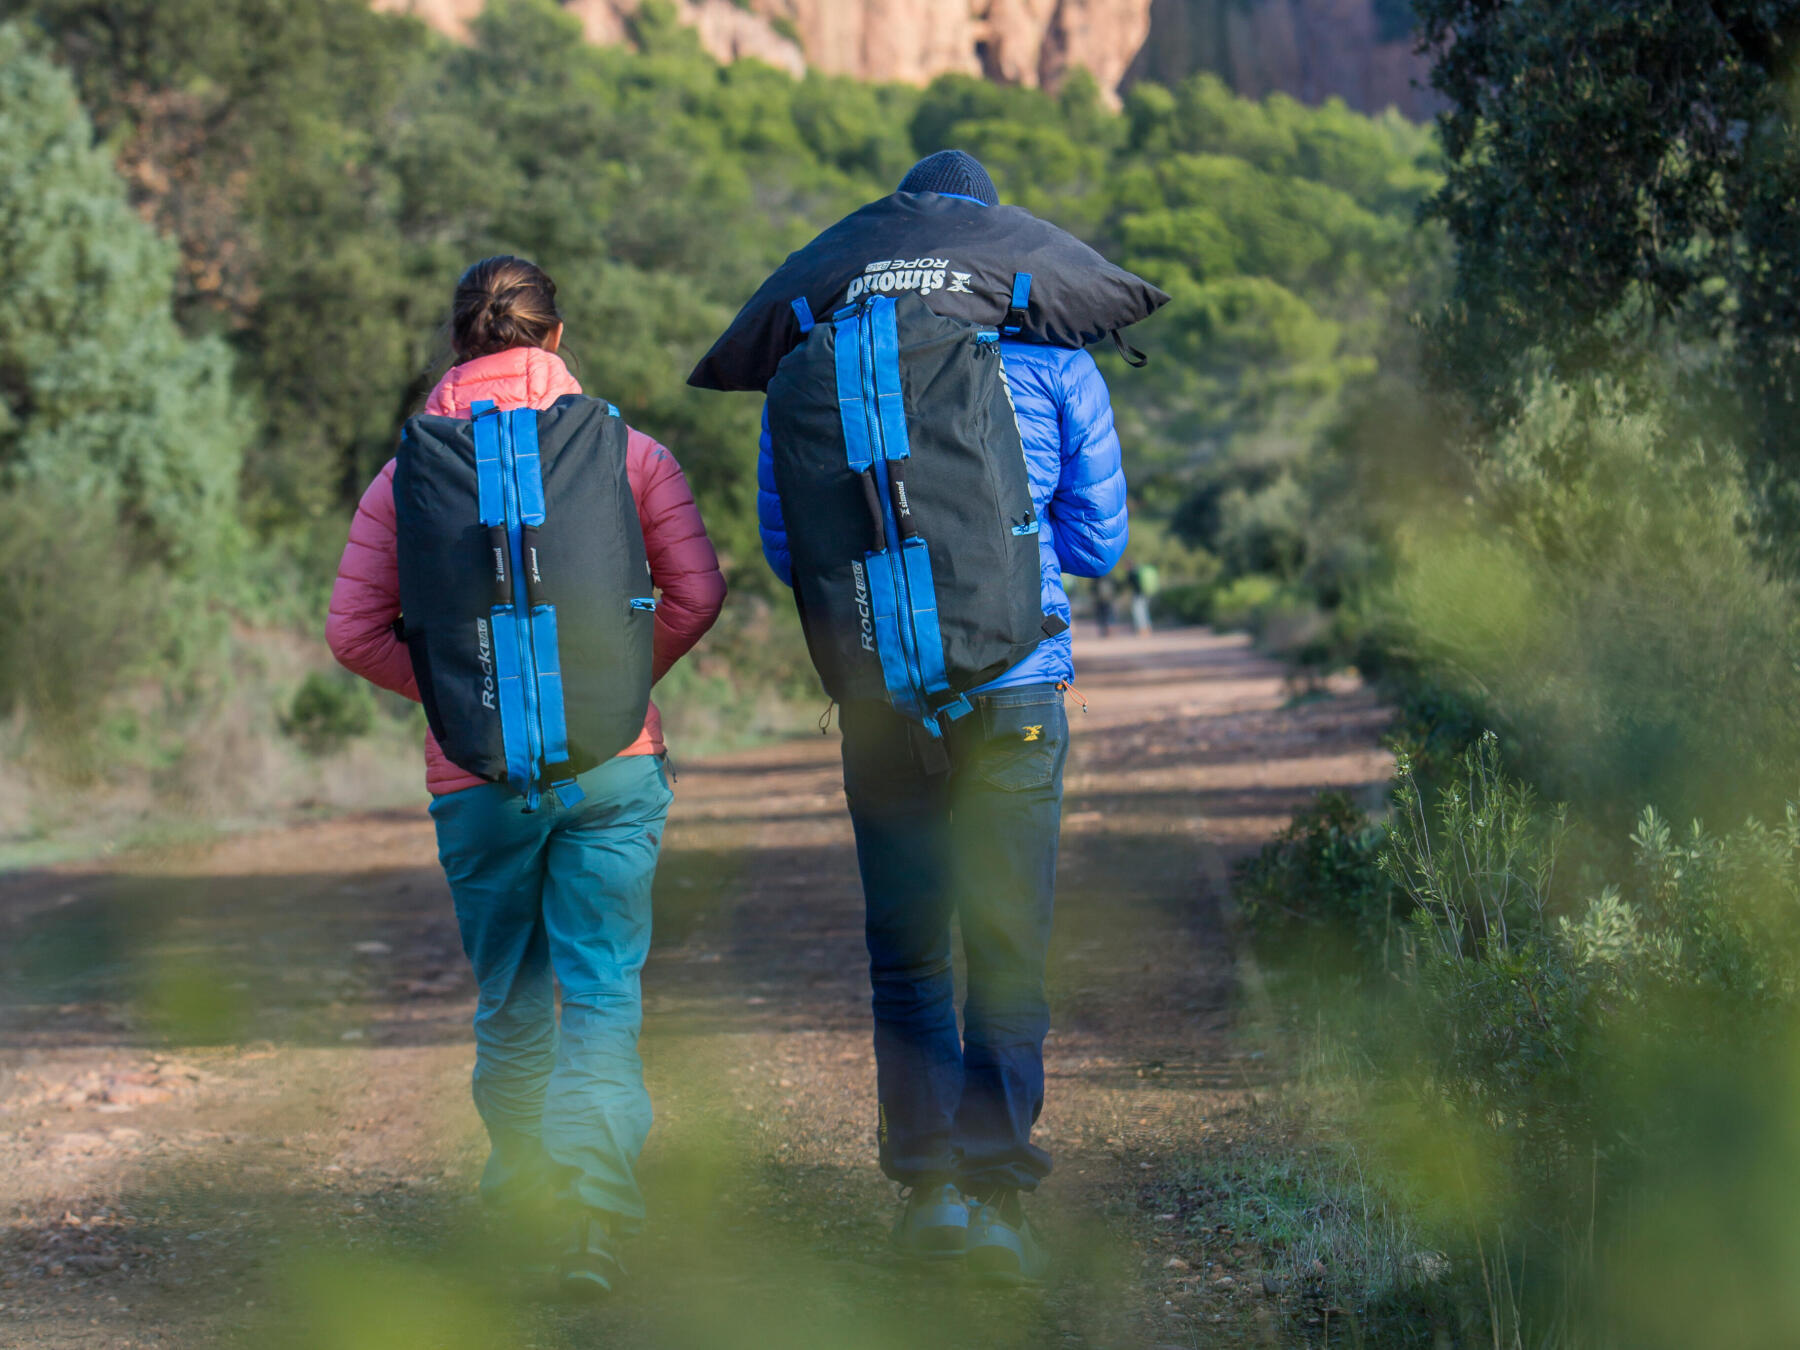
(978, 844)
(952, 173)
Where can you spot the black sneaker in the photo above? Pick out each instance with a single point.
(1003, 1247)
(934, 1223)
(590, 1267)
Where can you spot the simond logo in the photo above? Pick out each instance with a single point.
(484, 653)
(499, 565)
(865, 615)
(536, 578)
(923, 275)
(900, 490)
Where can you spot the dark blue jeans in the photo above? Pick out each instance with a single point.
(979, 844)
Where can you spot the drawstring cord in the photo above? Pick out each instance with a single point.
(1064, 687)
(825, 718)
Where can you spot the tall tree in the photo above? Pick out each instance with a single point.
(102, 399)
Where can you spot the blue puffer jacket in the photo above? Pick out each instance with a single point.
(1077, 484)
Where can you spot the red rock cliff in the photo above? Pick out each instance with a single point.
(1312, 49)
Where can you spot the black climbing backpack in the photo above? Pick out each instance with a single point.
(908, 508)
(525, 590)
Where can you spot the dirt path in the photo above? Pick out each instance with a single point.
(233, 1085)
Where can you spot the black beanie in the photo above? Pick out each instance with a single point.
(951, 171)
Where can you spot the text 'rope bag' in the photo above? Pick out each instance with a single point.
(908, 509)
(525, 590)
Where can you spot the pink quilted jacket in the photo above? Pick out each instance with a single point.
(365, 601)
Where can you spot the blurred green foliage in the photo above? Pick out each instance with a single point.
(1621, 180)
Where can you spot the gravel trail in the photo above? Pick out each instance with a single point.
(233, 1080)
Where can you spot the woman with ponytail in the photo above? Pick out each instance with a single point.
(560, 889)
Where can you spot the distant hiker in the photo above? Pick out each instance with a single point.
(924, 499)
(1143, 581)
(501, 570)
(1106, 594)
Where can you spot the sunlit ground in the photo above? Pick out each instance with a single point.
(235, 1081)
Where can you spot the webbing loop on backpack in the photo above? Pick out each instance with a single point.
(1017, 316)
(492, 500)
(509, 693)
(802, 312)
(527, 466)
(890, 402)
(858, 448)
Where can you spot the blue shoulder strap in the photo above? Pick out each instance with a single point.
(1016, 316)
(526, 464)
(851, 411)
(890, 403)
(487, 463)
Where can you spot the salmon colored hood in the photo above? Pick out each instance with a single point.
(520, 377)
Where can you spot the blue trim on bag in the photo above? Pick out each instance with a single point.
(644, 602)
(1021, 302)
(922, 592)
(890, 403)
(549, 683)
(851, 412)
(487, 463)
(527, 466)
(1029, 527)
(802, 312)
(509, 693)
(884, 613)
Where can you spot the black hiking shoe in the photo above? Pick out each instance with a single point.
(590, 1267)
(934, 1224)
(1003, 1248)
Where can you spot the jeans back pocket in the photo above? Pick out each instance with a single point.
(1024, 743)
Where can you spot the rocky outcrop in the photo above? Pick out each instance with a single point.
(1312, 49)
(1356, 50)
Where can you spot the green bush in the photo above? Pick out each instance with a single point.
(1320, 882)
(1243, 602)
(1551, 1057)
(328, 711)
(79, 616)
(1597, 592)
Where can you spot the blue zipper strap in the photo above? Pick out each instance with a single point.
(871, 392)
(890, 402)
(550, 689)
(522, 659)
(527, 467)
(487, 464)
(509, 692)
(884, 614)
(802, 312)
(915, 557)
(857, 447)
(1016, 316)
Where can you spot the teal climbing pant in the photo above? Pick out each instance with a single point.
(563, 890)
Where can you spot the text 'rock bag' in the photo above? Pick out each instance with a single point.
(525, 590)
(908, 508)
